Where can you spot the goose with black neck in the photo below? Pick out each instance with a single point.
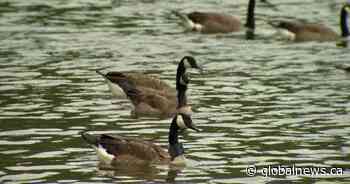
(299, 31)
(117, 150)
(210, 22)
(149, 96)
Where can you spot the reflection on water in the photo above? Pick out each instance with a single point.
(261, 102)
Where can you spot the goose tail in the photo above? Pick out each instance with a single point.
(130, 90)
(185, 21)
(343, 67)
(90, 139)
(180, 15)
(115, 83)
(102, 153)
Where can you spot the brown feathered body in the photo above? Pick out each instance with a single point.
(212, 22)
(309, 31)
(142, 81)
(215, 22)
(131, 151)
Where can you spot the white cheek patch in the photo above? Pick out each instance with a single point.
(182, 81)
(103, 156)
(180, 122)
(286, 34)
(187, 64)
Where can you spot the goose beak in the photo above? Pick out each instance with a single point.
(198, 69)
(194, 128)
(189, 123)
(100, 73)
(190, 127)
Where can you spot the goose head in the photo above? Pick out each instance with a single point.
(187, 62)
(182, 80)
(176, 150)
(184, 121)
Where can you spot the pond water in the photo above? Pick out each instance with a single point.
(263, 102)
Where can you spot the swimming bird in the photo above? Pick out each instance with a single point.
(151, 96)
(344, 67)
(300, 31)
(211, 22)
(118, 150)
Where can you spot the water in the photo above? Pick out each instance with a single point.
(262, 102)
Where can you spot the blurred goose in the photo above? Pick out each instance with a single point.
(343, 67)
(210, 22)
(300, 31)
(149, 95)
(118, 150)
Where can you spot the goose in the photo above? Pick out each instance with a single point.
(211, 22)
(300, 31)
(151, 96)
(117, 150)
(344, 67)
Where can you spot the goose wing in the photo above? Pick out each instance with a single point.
(215, 22)
(140, 80)
(153, 99)
(313, 27)
(150, 81)
(135, 148)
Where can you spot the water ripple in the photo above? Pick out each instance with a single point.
(263, 102)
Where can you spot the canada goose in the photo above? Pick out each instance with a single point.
(118, 150)
(300, 32)
(209, 22)
(149, 95)
(344, 67)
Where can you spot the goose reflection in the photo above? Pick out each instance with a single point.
(148, 173)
